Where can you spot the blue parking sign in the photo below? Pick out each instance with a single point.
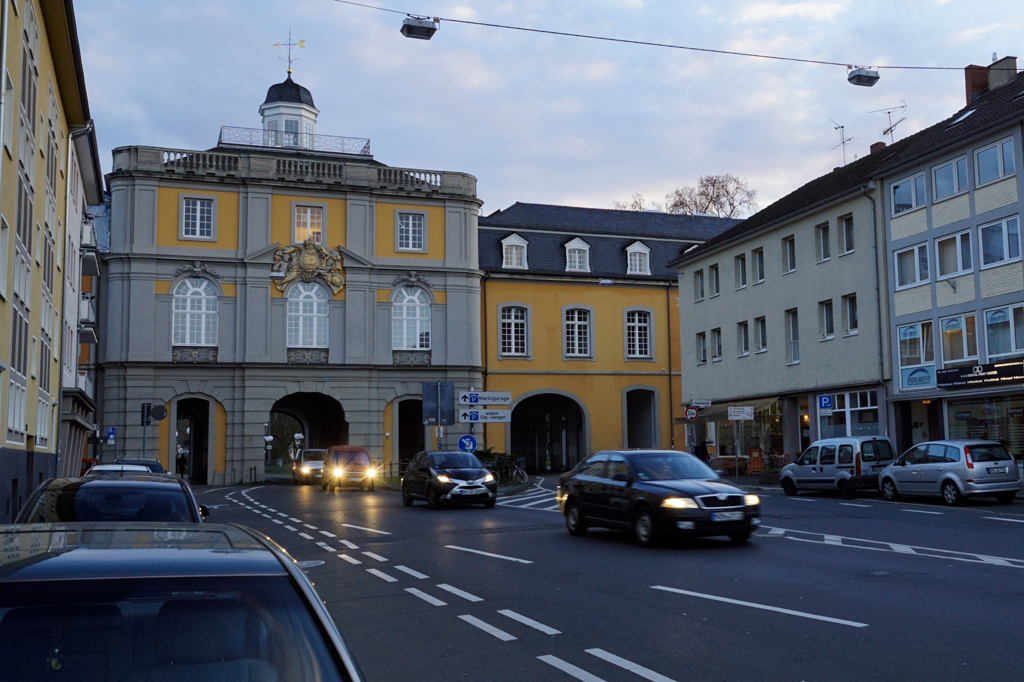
(467, 444)
(111, 434)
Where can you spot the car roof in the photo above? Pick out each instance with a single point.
(960, 442)
(74, 551)
(120, 467)
(129, 480)
(642, 451)
(129, 460)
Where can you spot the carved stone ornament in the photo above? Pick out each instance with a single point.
(307, 356)
(412, 279)
(194, 354)
(307, 262)
(197, 269)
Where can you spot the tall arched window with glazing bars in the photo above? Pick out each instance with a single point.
(410, 319)
(307, 316)
(195, 313)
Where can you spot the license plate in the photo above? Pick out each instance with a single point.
(727, 516)
(355, 478)
(998, 470)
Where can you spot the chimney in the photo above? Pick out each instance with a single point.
(1001, 72)
(877, 147)
(975, 82)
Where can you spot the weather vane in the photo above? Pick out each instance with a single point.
(289, 45)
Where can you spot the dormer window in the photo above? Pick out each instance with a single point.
(638, 259)
(514, 252)
(577, 256)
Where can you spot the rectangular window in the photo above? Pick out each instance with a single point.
(826, 322)
(821, 239)
(789, 254)
(908, 194)
(716, 345)
(577, 333)
(916, 344)
(410, 232)
(740, 263)
(309, 223)
(761, 330)
(698, 285)
(995, 161)
(702, 348)
(846, 234)
(954, 254)
(638, 264)
(850, 313)
(743, 338)
(758, 256)
(959, 342)
(1004, 330)
(1000, 242)
(912, 266)
(793, 336)
(638, 334)
(576, 260)
(198, 218)
(950, 178)
(514, 256)
(8, 114)
(513, 331)
(713, 277)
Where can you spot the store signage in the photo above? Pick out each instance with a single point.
(741, 413)
(918, 377)
(963, 416)
(995, 373)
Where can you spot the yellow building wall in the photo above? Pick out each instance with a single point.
(168, 219)
(281, 219)
(388, 415)
(386, 231)
(163, 441)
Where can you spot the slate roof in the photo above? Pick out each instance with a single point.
(608, 232)
(991, 109)
(289, 91)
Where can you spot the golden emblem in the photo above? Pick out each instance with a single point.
(307, 262)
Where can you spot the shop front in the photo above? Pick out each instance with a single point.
(995, 417)
(746, 446)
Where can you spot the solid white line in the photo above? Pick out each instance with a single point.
(996, 518)
(764, 607)
(851, 504)
(382, 575)
(943, 557)
(350, 545)
(489, 629)
(454, 590)
(921, 511)
(326, 546)
(294, 520)
(409, 571)
(309, 526)
(291, 528)
(629, 665)
(529, 621)
(496, 556)
(425, 597)
(371, 530)
(378, 557)
(578, 673)
(330, 535)
(305, 535)
(276, 521)
(350, 559)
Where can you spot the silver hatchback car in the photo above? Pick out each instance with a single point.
(952, 470)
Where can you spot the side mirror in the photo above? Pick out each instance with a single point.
(204, 511)
(625, 478)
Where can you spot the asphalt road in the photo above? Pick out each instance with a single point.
(827, 590)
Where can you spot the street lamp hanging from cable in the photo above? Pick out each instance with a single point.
(422, 28)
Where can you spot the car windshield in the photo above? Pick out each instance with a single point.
(350, 457)
(131, 630)
(876, 450)
(108, 503)
(313, 455)
(989, 453)
(670, 467)
(455, 460)
(153, 466)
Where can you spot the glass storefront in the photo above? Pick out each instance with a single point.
(998, 418)
(760, 440)
(854, 414)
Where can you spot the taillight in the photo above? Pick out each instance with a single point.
(967, 455)
(857, 459)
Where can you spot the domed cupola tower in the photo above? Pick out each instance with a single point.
(289, 114)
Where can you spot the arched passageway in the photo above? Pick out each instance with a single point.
(410, 429)
(641, 419)
(193, 439)
(321, 417)
(549, 431)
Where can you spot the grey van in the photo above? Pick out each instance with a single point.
(953, 470)
(845, 465)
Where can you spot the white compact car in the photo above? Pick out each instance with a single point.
(845, 465)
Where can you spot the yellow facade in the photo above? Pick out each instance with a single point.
(386, 231)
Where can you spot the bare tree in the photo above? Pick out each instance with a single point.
(725, 196)
(636, 203)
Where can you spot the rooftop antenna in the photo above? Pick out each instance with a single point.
(843, 139)
(289, 45)
(889, 112)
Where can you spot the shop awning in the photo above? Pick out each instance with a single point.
(720, 411)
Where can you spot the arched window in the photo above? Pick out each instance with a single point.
(307, 316)
(410, 320)
(195, 313)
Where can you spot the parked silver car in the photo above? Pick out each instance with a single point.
(953, 470)
(845, 465)
(308, 466)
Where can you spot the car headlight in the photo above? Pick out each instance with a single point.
(339, 471)
(680, 503)
(305, 470)
(751, 500)
(443, 478)
(371, 472)
(488, 478)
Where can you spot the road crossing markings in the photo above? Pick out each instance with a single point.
(851, 504)
(306, 535)
(996, 518)
(282, 514)
(425, 597)
(294, 520)
(763, 607)
(276, 521)
(495, 556)
(330, 535)
(629, 665)
(456, 591)
(350, 545)
(267, 515)
(578, 673)
(489, 629)
(269, 509)
(530, 622)
(309, 526)
(382, 575)
(529, 505)
(525, 496)
(409, 571)
(371, 530)
(291, 528)
(326, 547)
(922, 511)
(376, 557)
(553, 508)
(351, 559)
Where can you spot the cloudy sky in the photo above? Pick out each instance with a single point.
(541, 118)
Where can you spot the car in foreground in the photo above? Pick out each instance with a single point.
(153, 465)
(843, 465)
(172, 602)
(443, 478)
(953, 470)
(655, 493)
(142, 497)
(308, 466)
(348, 466)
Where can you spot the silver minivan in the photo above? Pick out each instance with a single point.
(842, 464)
(953, 470)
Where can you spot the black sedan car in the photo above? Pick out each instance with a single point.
(129, 497)
(173, 602)
(655, 493)
(443, 478)
(153, 465)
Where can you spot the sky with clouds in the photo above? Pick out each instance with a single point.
(541, 118)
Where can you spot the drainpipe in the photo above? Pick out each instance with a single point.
(878, 304)
(671, 400)
(486, 349)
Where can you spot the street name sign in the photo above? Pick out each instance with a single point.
(700, 403)
(484, 415)
(485, 398)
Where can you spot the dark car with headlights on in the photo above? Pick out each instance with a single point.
(129, 497)
(654, 493)
(348, 466)
(443, 478)
(172, 602)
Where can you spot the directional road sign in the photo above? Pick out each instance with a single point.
(467, 444)
(741, 413)
(485, 398)
(484, 415)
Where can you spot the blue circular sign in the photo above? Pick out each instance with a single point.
(467, 444)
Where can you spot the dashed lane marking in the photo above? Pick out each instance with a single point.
(629, 665)
(375, 557)
(276, 521)
(456, 591)
(309, 526)
(851, 504)
(425, 597)
(282, 514)
(294, 520)
(495, 556)
(351, 559)
(922, 511)
(763, 607)
(489, 629)
(350, 545)
(330, 535)
(382, 575)
(291, 528)
(326, 547)
(569, 668)
(266, 515)
(996, 518)
(306, 535)
(409, 571)
(530, 622)
(371, 530)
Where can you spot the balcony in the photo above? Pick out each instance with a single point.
(85, 383)
(87, 319)
(90, 253)
(257, 137)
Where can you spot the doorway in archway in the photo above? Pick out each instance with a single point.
(410, 430)
(193, 428)
(640, 418)
(321, 417)
(549, 431)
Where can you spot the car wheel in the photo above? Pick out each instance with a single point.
(951, 494)
(889, 490)
(741, 536)
(574, 521)
(846, 490)
(1006, 497)
(788, 487)
(433, 501)
(406, 497)
(489, 504)
(643, 528)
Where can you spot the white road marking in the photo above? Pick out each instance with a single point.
(325, 546)
(528, 505)
(270, 509)
(921, 511)
(291, 528)
(777, 531)
(306, 535)
(282, 514)
(371, 530)
(496, 556)
(276, 521)
(377, 557)
(350, 559)
(764, 607)
(382, 575)
(309, 526)
(294, 520)
(525, 496)
(489, 629)
(578, 673)
(902, 549)
(425, 597)
(330, 535)
(456, 591)
(994, 560)
(996, 518)
(409, 571)
(350, 545)
(553, 508)
(629, 665)
(803, 499)
(529, 621)
(833, 540)
(851, 504)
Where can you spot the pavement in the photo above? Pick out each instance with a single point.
(827, 590)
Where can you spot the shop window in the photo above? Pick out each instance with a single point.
(853, 414)
(917, 355)
(1004, 330)
(998, 418)
(959, 341)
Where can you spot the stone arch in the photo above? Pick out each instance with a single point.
(537, 429)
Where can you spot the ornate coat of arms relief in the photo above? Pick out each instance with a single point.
(307, 262)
